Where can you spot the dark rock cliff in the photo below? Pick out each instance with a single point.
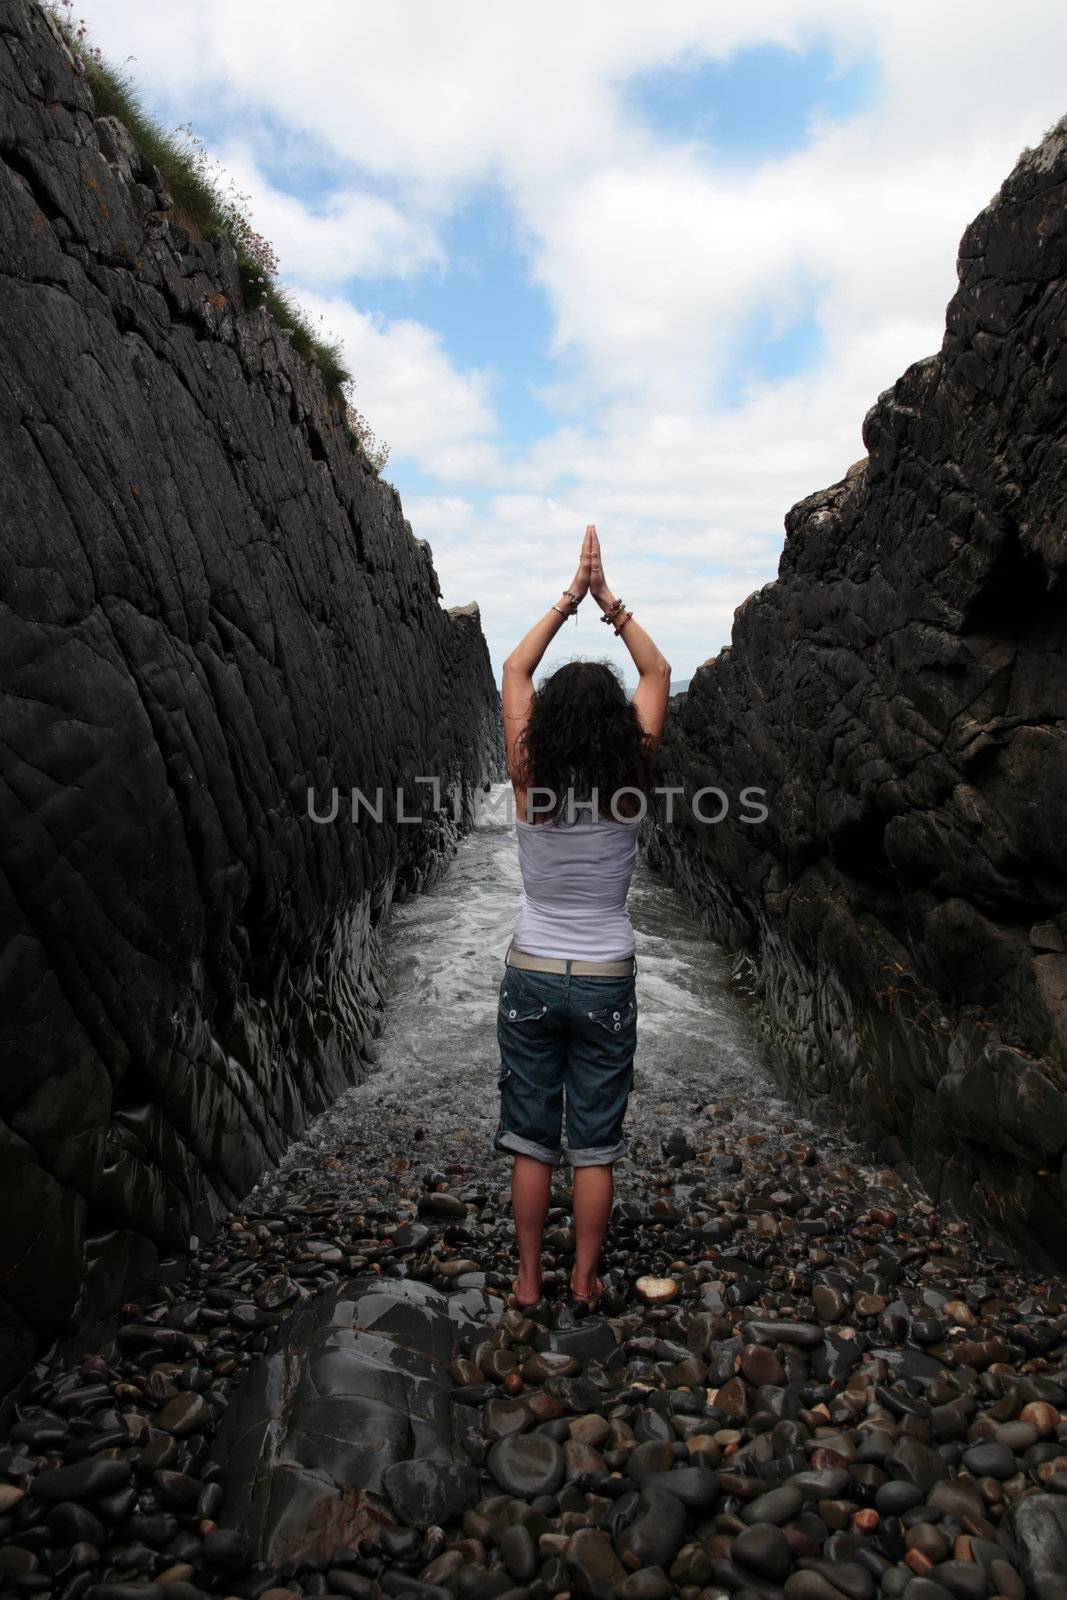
(900, 693)
(209, 604)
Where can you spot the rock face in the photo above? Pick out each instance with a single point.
(900, 694)
(211, 607)
(320, 1437)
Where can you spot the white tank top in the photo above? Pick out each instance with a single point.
(575, 880)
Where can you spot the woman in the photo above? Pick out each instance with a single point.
(579, 758)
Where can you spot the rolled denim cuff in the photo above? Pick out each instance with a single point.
(517, 1145)
(602, 1157)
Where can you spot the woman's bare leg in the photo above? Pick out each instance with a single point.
(593, 1192)
(531, 1186)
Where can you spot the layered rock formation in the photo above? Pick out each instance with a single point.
(211, 606)
(353, 1397)
(900, 694)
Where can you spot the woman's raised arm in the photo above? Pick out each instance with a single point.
(524, 660)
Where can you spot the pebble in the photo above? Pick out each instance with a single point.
(228, 1549)
(777, 1506)
(593, 1564)
(654, 1536)
(519, 1552)
(990, 1459)
(186, 1413)
(656, 1291)
(695, 1487)
(85, 1480)
(649, 1583)
(549, 1364)
(424, 1493)
(759, 1364)
(830, 1303)
(763, 1549)
(442, 1205)
(591, 1429)
(811, 1586)
(807, 1390)
(527, 1465)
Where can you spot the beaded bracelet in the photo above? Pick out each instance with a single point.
(609, 616)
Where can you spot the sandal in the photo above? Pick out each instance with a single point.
(586, 1304)
(521, 1305)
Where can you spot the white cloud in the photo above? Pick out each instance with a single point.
(353, 234)
(447, 516)
(431, 414)
(652, 253)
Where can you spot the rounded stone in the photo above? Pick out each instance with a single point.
(648, 1583)
(426, 1493)
(442, 1205)
(897, 1496)
(1042, 1416)
(964, 1580)
(84, 1480)
(227, 1549)
(989, 1459)
(582, 1460)
(760, 1365)
(830, 1304)
(777, 1506)
(811, 1586)
(186, 1413)
(549, 1364)
(591, 1429)
(654, 1537)
(655, 1455)
(656, 1291)
(763, 1549)
(927, 1589)
(1018, 1436)
(519, 1552)
(928, 1541)
(695, 1487)
(592, 1563)
(527, 1464)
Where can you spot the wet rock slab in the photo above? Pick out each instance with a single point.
(359, 1385)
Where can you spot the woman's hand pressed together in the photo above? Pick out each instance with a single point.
(579, 584)
(591, 557)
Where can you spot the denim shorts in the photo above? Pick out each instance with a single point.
(566, 1062)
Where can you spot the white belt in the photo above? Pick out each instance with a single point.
(625, 968)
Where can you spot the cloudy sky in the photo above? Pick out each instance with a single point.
(642, 265)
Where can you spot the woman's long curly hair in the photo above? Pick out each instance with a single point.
(583, 735)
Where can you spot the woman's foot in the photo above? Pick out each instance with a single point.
(585, 1296)
(525, 1293)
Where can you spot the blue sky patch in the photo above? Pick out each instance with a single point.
(762, 354)
(485, 309)
(754, 105)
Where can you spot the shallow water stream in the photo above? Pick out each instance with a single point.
(445, 949)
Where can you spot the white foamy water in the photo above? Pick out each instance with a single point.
(444, 961)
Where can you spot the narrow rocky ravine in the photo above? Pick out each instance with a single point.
(805, 1381)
